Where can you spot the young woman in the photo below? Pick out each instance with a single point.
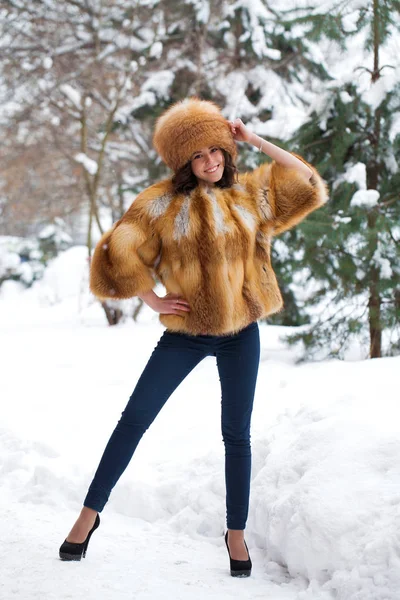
(205, 233)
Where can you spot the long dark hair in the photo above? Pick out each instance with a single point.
(184, 180)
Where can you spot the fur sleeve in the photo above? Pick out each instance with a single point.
(285, 196)
(122, 262)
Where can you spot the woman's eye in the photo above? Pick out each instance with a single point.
(214, 149)
(197, 156)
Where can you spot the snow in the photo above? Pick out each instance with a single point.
(341, 220)
(365, 198)
(156, 50)
(324, 516)
(159, 83)
(89, 164)
(47, 62)
(8, 261)
(145, 98)
(345, 97)
(72, 94)
(11, 265)
(202, 8)
(376, 93)
(285, 118)
(391, 162)
(378, 90)
(256, 10)
(355, 173)
(272, 53)
(395, 130)
(54, 230)
(350, 21)
(64, 276)
(383, 263)
(26, 273)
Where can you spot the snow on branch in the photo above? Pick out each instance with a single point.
(88, 164)
(72, 94)
(365, 198)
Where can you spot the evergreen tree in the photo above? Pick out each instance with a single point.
(349, 273)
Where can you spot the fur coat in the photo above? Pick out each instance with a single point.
(211, 246)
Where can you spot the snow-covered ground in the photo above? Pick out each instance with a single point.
(325, 502)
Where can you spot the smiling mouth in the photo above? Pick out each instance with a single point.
(212, 170)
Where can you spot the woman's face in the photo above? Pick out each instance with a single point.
(208, 164)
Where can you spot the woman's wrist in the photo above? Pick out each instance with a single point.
(150, 298)
(256, 140)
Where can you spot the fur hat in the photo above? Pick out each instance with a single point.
(190, 125)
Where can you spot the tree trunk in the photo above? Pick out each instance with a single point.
(138, 309)
(114, 315)
(375, 301)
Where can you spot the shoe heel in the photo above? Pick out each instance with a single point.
(86, 544)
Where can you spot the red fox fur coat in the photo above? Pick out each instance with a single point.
(211, 246)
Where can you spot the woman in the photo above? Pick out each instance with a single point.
(205, 233)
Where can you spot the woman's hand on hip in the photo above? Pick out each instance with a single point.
(171, 304)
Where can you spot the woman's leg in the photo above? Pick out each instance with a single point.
(171, 361)
(238, 358)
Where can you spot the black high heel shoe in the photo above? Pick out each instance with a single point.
(71, 551)
(239, 568)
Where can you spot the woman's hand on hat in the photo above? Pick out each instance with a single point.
(239, 131)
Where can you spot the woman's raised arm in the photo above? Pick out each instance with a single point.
(280, 156)
(288, 189)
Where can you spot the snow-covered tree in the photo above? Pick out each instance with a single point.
(53, 239)
(68, 66)
(349, 270)
(24, 259)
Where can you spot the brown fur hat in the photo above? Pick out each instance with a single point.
(190, 125)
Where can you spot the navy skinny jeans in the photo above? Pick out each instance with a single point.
(175, 355)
